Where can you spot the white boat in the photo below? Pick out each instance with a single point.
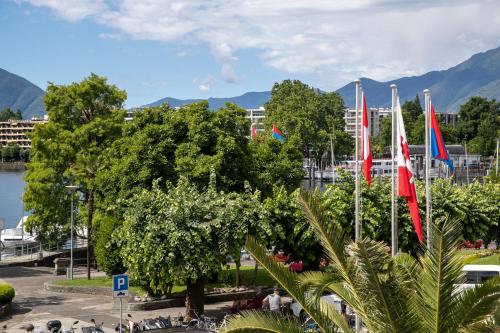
(14, 236)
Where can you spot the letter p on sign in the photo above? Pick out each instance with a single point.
(120, 286)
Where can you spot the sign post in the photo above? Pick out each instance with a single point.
(120, 290)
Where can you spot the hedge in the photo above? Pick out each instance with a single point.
(7, 293)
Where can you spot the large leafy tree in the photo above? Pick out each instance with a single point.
(298, 109)
(389, 294)
(183, 234)
(84, 119)
(166, 143)
(275, 163)
(479, 124)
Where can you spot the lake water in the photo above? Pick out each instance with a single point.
(11, 189)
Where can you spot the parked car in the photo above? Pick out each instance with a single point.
(245, 255)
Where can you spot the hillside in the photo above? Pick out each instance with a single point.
(249, 100)
(18, 93)
(479, 75)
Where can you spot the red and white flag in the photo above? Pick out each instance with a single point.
(406, 180)
(254, 131)
(366, 145)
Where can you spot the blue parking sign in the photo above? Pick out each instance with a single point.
(120, 286)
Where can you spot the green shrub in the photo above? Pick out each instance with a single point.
(107, 250)
(7, 293)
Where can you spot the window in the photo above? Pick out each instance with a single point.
(475, 277)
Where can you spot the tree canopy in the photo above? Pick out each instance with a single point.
(479, 125)
(7, 114)
(84, 119)
(300, 110)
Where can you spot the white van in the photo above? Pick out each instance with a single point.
(477, 274)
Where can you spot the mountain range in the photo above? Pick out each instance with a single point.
(477, 76)
(249, 100)
(18, 93)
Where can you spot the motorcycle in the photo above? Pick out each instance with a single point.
(160, 322)
(54, 326)
(97, 328)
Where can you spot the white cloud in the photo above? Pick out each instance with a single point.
(333, 41)
(206, 84)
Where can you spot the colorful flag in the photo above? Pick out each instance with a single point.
(254, 131)
(366, 145)
(438, 149)
(406, 181)
(277, 134)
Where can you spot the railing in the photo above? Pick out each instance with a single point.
(31, 250)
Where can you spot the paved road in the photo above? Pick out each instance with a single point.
(34, 305)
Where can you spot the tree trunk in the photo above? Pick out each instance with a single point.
(238, 272)
(255, 270)
(195, 296)
(90, 213)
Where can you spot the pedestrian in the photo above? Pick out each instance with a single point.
(273, 300)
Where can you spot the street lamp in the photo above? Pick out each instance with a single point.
(71, 190)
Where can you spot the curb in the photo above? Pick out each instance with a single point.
(210, 298)
(154, 305)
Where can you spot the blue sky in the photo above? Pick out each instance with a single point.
(200, 48)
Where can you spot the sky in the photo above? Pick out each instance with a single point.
(223, 48)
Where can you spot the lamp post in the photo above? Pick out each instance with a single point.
(71, 190)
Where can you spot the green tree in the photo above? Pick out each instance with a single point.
(299, 110)
(184, 234)
(413, 108)
(293, 235)
(275, 163)
(107, 249)
(85, 118)
(479, 124)
(166, 143)
(390, 294)
(7, 114)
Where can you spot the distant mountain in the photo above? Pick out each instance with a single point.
(477, 76)
(18, 93)
(249, 100)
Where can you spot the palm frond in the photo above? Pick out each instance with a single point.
(385, 295)
(254, 322)
(473, 307)
(290, 282)
(408, 268)
(441, 271)
(334, 241)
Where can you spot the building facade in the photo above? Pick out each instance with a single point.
(15, 131)
(374, 116)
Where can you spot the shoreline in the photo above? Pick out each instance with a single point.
(12, 166)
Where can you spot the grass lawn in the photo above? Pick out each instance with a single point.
(490, 260)
(485, 257)
(226, 279)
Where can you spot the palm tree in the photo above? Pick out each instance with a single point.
(390, 294)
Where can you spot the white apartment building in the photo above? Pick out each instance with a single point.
(374, 116)
(14, 131)
(256, 116)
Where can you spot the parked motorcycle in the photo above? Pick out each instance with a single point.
(97, 328)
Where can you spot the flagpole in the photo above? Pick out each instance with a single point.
(333, 154)
(428, 199)
(357, 228)
(394, 222)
